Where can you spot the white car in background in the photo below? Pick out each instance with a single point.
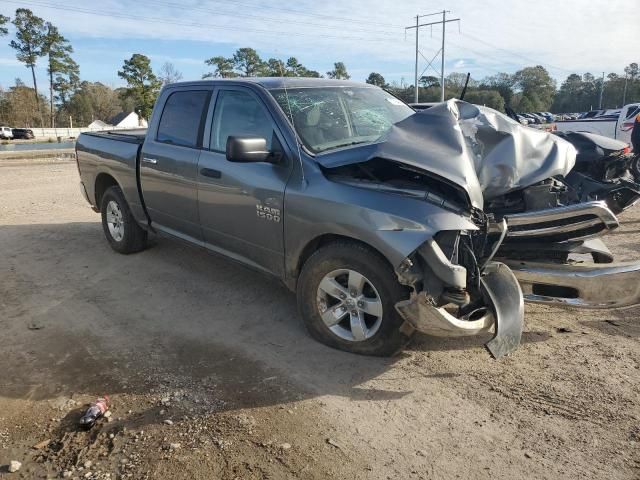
(607, 124)
(6, 133)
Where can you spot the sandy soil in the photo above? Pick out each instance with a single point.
(176, 334)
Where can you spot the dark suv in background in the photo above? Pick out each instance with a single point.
(22, 133)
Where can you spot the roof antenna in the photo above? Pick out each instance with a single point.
(464, 90)
(290, 118)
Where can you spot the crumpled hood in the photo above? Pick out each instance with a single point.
(478, 148)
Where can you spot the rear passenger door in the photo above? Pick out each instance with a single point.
(241, 204)
(169, 163)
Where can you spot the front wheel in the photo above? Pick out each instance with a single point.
(347, 295)
(122, 231)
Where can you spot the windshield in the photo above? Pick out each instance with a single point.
(333, 117)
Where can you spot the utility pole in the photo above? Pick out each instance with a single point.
(444, 27)
(624, 92)
(601, 91)
(417, 26)
(415, 78)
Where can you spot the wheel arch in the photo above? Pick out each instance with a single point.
(103, 182)
(321, 241)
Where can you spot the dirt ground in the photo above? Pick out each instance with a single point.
(211, 374)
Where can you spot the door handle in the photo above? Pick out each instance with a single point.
(210, 172)
(152, 161)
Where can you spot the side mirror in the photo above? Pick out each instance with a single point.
(248, 150)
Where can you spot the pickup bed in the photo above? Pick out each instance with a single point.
(384, 221)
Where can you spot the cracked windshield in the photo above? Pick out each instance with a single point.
(334, 117)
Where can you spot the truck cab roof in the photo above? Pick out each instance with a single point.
(272, 83)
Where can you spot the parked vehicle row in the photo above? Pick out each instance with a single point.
(7, 133)
(616, 124)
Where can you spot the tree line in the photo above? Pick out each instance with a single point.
(72, 100)
(531, 89)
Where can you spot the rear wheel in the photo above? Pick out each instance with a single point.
(347, 295)
(122, 231)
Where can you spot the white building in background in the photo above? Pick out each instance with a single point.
(121, 120)
(98, 124)
(128, 120)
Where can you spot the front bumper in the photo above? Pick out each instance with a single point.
(503, 312)
(595, 286)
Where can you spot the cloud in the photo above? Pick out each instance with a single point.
(10, 62)
(493, 35)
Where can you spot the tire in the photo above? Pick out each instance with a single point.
(126, 236)
(384, 334)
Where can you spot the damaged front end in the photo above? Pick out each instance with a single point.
(527, 219)
(457, 290)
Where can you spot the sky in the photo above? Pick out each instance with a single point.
(565, 36)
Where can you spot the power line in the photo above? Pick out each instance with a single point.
(300, 12)
(515, 54)
(153, 20)
(265, 19)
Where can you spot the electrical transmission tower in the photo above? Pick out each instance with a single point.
(417, 26)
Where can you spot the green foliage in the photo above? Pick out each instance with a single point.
(29, 45)
(501, 83)
(223, 68)
(247, 63)
(18, 107)
(488, 98)
(3, 21)
(536, 87)
(427, 81)
(64, 72)
(295, 69)
(30, 36)
(632, 71)
(582, 93)
(275, 68)
(376, 79)
(339, 72)
(91, 101)
(142, 84)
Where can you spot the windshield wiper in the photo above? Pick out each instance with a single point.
(348, 144)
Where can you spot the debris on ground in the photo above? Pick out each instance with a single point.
(564, 330)
(333, 443)
(96, 410)
(42, 444)
(14, 466)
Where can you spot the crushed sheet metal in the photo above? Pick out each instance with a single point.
(478, 148)
(425, 317)
(502, 291)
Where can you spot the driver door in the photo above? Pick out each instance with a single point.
(241, 205)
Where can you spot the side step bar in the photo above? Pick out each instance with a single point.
(595, 286)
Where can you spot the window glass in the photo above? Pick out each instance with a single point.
(333, 117)
(633, 111)
(182, 118)
(238, 113)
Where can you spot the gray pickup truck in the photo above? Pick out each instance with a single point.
(382, 219)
